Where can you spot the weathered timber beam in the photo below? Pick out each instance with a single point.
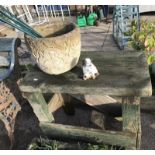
(58, 100)
(131, 117)
(55, 102)
(59, 131)
(39, 106)
(148, 103)
(104, 104)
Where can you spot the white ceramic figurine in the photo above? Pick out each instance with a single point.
(89, 69)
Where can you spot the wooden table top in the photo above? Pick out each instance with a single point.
(121, 74)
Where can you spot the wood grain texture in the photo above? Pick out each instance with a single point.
(58, 100)
(148, 103)
(39, 106)
(104, 104)
(131, 117)
(121, 74)
(95, 100)
(89, 135)
(55, 102)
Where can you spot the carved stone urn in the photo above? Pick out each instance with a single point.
(59, 49)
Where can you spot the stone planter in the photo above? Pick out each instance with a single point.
(59, 49)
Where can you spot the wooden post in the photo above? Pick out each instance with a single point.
(131, 118)
(39, 106)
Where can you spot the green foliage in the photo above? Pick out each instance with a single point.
(44, 144)
(99, 147)
(143, 40)
(151, 59)
(47, 144)
(29, 67)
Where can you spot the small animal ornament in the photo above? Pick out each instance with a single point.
(89, 69)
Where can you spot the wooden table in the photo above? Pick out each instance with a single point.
(123, 74)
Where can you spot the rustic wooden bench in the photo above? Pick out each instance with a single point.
(124, 75)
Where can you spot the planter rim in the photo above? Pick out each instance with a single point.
(75, 27)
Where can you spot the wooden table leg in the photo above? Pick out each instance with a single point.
(40, 107)
(131, 118)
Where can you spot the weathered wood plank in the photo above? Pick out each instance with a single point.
(55, 103)
(120, 75)
(89, 135)
(95, 100)
(148, 103)
(59, 100)
(131, 117)
(39, 106)
(105, 122)
(104, 104)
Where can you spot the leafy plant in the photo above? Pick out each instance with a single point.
(101, 147)
(151, 59)
(143, 40)
(47, 144)
(44, 144)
